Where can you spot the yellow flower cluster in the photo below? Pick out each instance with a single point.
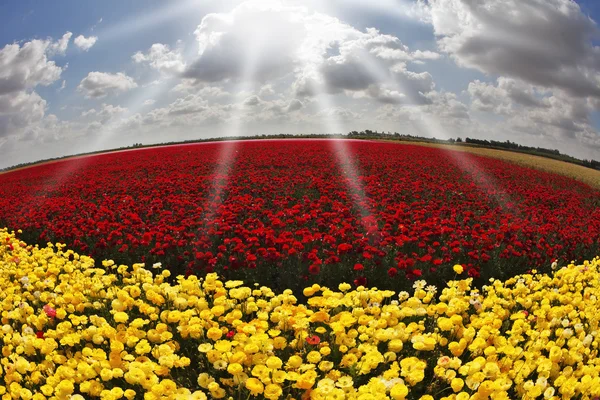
(72, 331)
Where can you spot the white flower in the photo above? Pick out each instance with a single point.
(25, 280)
(554, 265)
(549, 393)
(392, 382)
(567, 333)
(403, 295)
(565, 322)
(431, 289)
(420, 284)
(541, 381)
(157, 265)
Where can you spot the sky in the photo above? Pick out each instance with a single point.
(84, 76)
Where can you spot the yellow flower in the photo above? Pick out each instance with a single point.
(254, 386)
(457, 384)
(121, 317)
(272, 391)
(458, 269)
(214, 333)
(313, 357)
(294, 362)
(399, 392)
(274, 362)
(344, 287)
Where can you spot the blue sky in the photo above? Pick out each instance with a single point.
(179, 70)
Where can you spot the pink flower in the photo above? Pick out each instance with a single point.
(51, 312)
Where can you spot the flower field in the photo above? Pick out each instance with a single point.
(73, 331)
(298, 212)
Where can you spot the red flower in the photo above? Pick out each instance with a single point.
(39, 334)
(360, 281)
(392, 272)
(51, 312)
(314, 340)
(314, 269)
(358, 267)
(230, 334)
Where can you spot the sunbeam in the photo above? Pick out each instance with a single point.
(168, 12)
(401, 9)
(226, 157)
(347, 166)
(431, 125)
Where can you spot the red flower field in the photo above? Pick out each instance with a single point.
(293, 212)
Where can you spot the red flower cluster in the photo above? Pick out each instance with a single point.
(290, 211)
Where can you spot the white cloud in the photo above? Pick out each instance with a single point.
(294, 105)
(503, 98)
(85, 43)
(252, 101)
(266, 90)
(543, 42)
(162, 58)
(22, 68)
(99, 84)
(266, 40)
(340, 114)
(20, 110)
(149, 102)
(60, 46)
(106, 113)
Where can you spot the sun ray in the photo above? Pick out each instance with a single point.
(226, 155)
(168, 12)
(346, 164)
(432, 126)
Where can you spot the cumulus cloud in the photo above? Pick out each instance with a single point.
(100, 84)
(252, 101)
(20, 110)
(294, 105)
(85, 43)
(149, 102)
(61, 45)
(268, 40)
(22, 68)
(340, 114)
(106, 113)
(162, 58)
(534, 110)
(548, 43)
(505, 96)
